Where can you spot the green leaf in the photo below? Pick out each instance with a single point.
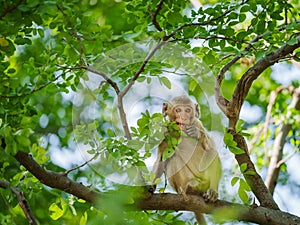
(22, 41)
(3, 42)
(244, 185)
(135, 144)
(236, 150)
(56, 212)
(234, 180)
(243, 167)
(83, 219)
(239, 125)
(110, 132)
(169, 152)
(243, 195)
(209, 58)
(11, 70)
(228, 139)
(242, 18)
(261, 26)
(245, 8)
(292, 41)
(165, 81)
(169, 217)
(244, 134)
(250, 173)
(260, 55)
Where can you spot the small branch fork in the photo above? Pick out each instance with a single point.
(22, 202)
(80, 166)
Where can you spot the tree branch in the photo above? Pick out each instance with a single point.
(166, 201)
(232, 108)
(222, 102)
(9, 9)
(208, 22)
(55, 180)
(154, 16)
(131, 83)
(22, 202)
(35, 89)
(272, 99)
(254, 214)
(105, 77)
(277, 153)
(252, 74)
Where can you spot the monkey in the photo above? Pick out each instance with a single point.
(194, 167)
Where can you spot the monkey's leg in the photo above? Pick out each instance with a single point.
(200, 218)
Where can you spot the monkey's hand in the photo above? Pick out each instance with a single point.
(210, 195)
(192, 131)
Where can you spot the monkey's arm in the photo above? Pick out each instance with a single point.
(214, 174)
(159, 164)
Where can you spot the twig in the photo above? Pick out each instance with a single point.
(154, 16)
(208, 22)
(74, 33)
(142, 67)
(272, 99)
(9, 9)
(34, 90)
(247, 48)
(22, 202)
(221, 101)
(255, 138)
(286, 158)
(82, 165)
(105, 77)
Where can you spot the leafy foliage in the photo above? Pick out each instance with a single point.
(65, 64)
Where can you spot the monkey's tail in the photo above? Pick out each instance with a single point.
(200, 218)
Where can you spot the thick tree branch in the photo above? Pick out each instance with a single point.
(165, 201)
(55, 180)
(221, 101)
(254, 214)
(255, 181)
(252, 74)
(22, 202)
(273, 170)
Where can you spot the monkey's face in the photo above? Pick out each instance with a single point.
(183, 115)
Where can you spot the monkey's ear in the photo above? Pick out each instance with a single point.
(165, 108)
(197, 111)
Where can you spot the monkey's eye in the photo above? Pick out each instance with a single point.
(188, 110)
(178, 110)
